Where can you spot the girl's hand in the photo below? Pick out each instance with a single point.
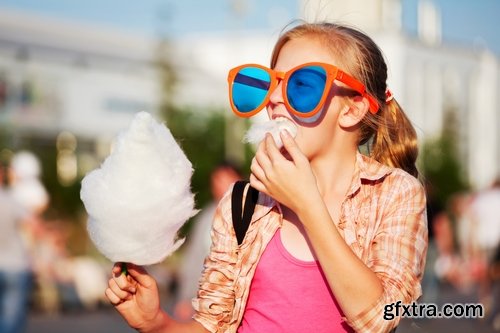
(290, 181)
(135, 296)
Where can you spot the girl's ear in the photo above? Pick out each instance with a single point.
(352, 113)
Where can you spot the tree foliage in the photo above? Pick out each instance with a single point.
(441, 164)
(201, 137)
(199, 131)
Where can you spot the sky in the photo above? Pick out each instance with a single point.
(157, 16)
(463, 21)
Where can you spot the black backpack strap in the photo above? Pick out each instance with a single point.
(241, 222)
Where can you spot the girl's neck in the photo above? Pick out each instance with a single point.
(334, 172)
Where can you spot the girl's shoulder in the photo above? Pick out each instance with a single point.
(404, 180)
(387, 176)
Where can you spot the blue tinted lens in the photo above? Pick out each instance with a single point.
(305, 88)
(250, 88)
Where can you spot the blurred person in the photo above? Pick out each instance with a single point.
(15, 263)
(28, 191)
(198, 246)
(430, 280)
(464, 236)
(53, 275)
(454, 233)
(44, 243)
(58, 281)
(485, 212)
(448, 264)
(336, 235)
(464, 226)
(55, 284)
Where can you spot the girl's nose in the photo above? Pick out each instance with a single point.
(276, 96)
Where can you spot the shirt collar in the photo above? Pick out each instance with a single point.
(367, 169)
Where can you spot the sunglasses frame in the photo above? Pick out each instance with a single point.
(332, 73)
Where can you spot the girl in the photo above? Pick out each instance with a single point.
(337, 236)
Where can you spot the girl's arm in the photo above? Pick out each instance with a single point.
(135, 296)
(395, 259)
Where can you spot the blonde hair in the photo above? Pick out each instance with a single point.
(388, 134)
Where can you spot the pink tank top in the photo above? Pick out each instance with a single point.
(290, 295)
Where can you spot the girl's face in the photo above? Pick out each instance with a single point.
(315, 135)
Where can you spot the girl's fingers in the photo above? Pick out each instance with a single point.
(271, 148)
(257, 184)
(113, 299)
(136, 274)
(257, 177)
(262, 157)
(257, 170)
(118, 291)
(141, 276)
(291, 146)
(117, 268)
(124, 282)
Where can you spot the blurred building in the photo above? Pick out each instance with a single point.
(89, 81)
(73, 83)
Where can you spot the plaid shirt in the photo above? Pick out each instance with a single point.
(383, 220)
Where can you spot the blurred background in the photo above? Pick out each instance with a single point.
(73, 75)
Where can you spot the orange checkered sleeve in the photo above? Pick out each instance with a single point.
(397, 251)
(215, 300)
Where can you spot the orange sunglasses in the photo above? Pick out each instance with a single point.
(305, 88)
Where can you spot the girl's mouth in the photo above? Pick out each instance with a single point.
(257, 132)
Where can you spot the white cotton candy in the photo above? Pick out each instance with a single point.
(140, 196)
(257, 132)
